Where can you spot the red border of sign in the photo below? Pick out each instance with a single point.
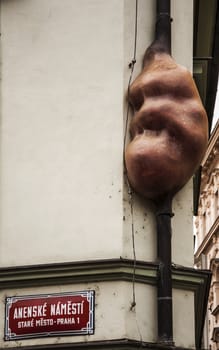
(89, 329)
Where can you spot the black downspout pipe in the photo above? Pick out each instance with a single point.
(164, 206)
(164, 283)
(163, 26)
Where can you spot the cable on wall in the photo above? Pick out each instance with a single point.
(131, 67)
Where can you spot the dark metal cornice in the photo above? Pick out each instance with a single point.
(93, 271)
(77, 272)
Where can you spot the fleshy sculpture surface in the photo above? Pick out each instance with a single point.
(169, 130)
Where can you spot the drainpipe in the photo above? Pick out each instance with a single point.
(164, 207)
(164, 283)
(163, 26)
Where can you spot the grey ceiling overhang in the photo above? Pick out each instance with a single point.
(206, 51)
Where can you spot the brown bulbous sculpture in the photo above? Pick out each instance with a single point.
(169, 130)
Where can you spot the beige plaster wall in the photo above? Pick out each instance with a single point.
(64, 75)
(61, 130)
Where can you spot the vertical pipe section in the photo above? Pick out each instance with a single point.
(164, 284)
(164, 206)
(163, 26)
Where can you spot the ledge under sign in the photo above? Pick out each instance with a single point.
(46, 315)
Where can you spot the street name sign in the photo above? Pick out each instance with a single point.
(48, 315)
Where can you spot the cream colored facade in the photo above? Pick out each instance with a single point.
(66, 221)
(207, 235)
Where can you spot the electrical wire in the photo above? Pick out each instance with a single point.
(131, 66)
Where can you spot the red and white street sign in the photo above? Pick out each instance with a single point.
(49, 315)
